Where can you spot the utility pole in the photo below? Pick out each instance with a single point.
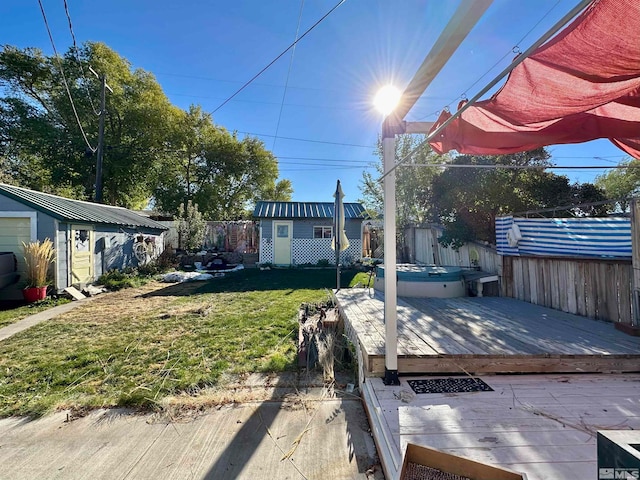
(103, 95)
(100, 149)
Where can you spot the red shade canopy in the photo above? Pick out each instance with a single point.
(582, 85)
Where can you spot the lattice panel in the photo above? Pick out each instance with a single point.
(311, 250)
(266, 251)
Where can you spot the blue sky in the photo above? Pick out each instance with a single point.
(201, 52)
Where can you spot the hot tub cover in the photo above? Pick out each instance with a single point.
(424, 273)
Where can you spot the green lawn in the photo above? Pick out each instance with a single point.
(136, 346)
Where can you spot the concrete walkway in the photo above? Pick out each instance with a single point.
(295, 433)
(321, 439)
(39, 317)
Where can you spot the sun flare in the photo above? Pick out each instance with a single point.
(386, 100)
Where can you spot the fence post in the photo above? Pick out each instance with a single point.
(436, 246)
(507, 276)
(635, 261)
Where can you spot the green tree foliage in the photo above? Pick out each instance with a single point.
(214, 169)
(41, 138)
(413, 183)
(153, 150)
(191, 227)
(620, 184)
(280, 192)
(469, 199)
(466, 200)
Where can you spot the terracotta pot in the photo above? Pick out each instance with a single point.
(33, 294)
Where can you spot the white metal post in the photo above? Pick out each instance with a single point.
(390, 294)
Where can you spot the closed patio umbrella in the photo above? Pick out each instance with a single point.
(340, 242)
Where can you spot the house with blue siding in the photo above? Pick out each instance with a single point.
(296, 233)
(89, 238)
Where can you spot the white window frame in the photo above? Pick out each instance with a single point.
(324, 228)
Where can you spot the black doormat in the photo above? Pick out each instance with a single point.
(449, 385)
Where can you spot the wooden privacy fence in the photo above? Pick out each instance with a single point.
(421, 246)
(594, 288)
(239, 236)
(233, 236)
(599, 288)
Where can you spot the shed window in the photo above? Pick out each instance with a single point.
(82, 240)
(322, 232)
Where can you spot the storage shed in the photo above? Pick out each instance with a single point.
(89, 238)
(297, 233)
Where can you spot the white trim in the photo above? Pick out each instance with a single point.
(322, 227)
(69, 246)
(56, 225)
(33, 221)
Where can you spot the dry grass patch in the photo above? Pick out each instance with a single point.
(137, 347)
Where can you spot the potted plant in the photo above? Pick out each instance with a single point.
(38, 257)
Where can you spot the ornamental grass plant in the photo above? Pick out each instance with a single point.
(38, 257)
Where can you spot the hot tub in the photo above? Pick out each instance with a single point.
(425, 281)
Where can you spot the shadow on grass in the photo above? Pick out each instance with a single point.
(251, 280)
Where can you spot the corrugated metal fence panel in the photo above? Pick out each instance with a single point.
(424, 246)
(591, 237)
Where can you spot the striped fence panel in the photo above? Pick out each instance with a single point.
(583, 237)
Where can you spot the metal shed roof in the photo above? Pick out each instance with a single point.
(305, 210)
(70, 210)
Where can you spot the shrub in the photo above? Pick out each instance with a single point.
(191, 227)
(323, 262)
(117, 279)
(38, 258)
(166, 261)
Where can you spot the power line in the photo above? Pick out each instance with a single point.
(514, 50)
(264, 102)
(339, 160)
(324, 165)
(211, 79)
(278, 57)
(286, 83)
(64, 78)
(75, 51)
(307, 140)
(571, 207)
(516, 61)
(522, 167)
(322, 169)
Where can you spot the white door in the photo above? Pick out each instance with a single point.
(282, 234)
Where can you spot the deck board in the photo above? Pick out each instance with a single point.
(485, 335)
(542, 425)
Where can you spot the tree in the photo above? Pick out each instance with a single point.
(214, 169)
(191, 227)
(620, 184)
(281, 192)
(40, 136)
(413, 183)
(469, 199)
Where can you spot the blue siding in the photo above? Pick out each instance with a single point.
(303, 229)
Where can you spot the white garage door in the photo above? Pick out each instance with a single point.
(14, 231)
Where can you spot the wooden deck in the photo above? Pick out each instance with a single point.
(542, 425)
(484, 335)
